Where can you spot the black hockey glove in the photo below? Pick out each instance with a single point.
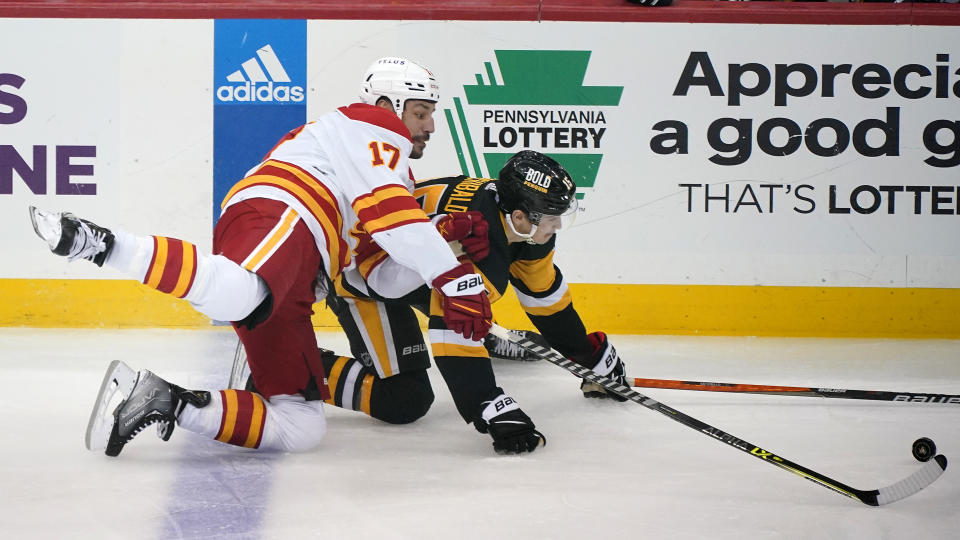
(607, 363)
(512, 430)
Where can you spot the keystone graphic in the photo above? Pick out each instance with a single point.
(534, 78)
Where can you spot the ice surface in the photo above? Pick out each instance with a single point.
(610, 470)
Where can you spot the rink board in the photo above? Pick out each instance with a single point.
(655, 309)
(814, 193)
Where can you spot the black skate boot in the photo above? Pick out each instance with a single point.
(145, 399)
(72, 237)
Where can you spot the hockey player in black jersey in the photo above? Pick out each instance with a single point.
(506, 227)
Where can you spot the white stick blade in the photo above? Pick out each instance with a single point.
(925, 476)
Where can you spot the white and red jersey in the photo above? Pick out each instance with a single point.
(347, 175)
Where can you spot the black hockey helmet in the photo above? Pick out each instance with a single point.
(537, 185)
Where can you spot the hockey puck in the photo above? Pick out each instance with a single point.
(924, 449)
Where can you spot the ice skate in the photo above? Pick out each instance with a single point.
(502, 349)
(72, 237)
(141, 399)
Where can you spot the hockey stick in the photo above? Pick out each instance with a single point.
(923, 477)
(240, 369)
(839, 393)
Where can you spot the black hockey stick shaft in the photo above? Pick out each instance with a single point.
(904, 488)
(803, 391)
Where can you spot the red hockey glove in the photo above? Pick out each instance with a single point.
(468, 228)
(466, 308)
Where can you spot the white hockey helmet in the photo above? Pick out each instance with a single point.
(398, 80)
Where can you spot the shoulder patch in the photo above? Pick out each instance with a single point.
(377, 116)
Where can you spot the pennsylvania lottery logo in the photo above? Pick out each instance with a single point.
(537, 101)
(260, 79)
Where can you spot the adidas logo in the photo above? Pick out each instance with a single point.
(261, 79)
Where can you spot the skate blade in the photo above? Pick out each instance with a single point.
(46, 225)
(117, 384)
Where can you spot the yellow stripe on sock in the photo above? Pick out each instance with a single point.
(365, 391)
(256, 421)
(334, 377)
(186, 270)
(230, 419)
(159, 261)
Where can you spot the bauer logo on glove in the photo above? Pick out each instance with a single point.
(474, 281)
(502, 404)
(464, 285)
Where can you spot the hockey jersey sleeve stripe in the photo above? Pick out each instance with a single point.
(268, 246)
(173, 266)
(554, 297)
(313, 195)
(394, 220)
(543, 306)
(386, 208)
(380, 194)
(538, 275)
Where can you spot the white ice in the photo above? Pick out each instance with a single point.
(610, 470)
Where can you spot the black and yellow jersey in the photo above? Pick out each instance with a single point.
(539, 284)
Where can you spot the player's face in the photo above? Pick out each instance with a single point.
(549, 225)
(418, 117)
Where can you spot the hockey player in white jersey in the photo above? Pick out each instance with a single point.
(287, 229)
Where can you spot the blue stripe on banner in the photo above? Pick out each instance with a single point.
(259, 81)
(242, 136)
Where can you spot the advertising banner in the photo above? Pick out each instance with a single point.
(259, 74)
(108, 119)
(707, 155)
(730, 157)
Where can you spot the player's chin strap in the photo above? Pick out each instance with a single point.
(527, 237)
